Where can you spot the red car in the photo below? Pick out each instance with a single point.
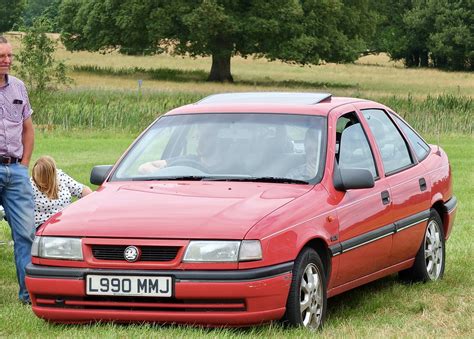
(246, 208)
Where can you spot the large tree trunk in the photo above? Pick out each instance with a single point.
(220, 70)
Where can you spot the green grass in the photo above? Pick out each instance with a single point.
(77, 155)
(132, 111)
(385, 308)
(104, 110)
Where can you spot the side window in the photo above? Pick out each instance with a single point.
(392, 146)
(352, 147)
(420, 147)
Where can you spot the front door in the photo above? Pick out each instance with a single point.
(365, 228)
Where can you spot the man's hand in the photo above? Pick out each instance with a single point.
(152, 166)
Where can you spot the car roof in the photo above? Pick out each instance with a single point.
(266, 102)
(265, 98)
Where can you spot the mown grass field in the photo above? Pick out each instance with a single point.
(96, 119)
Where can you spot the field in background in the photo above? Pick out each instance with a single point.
(371, 76)
(95, 120)
(106, 90)
(126, 110)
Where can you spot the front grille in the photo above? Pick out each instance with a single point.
(149, 253)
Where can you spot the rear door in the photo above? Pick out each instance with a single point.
(407, 181)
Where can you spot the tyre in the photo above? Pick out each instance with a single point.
(430, 259)
(306, 304)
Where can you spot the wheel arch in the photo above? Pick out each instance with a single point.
(321, 247)
(438, 206)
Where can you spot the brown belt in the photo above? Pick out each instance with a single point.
(8, 160)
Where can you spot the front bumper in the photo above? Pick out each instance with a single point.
(234, 298)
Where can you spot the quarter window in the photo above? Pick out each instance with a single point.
(392, 146)
(420, 147)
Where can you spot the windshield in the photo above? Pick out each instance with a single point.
(286, 148)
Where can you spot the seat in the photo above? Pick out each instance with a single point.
(276, 157)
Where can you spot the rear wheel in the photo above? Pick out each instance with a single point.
(306, 305)
(430, 259)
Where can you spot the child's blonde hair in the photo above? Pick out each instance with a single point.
(44, 175)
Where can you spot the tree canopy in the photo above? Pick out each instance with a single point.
(10, 12)
(436, 33)
(35, 9)
(294, 31)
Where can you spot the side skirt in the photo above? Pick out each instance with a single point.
(371, 277)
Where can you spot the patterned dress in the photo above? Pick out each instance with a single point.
(46, 207)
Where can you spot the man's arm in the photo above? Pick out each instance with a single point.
(28, 140)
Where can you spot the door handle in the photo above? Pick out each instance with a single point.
(422, 182)
(385, 197)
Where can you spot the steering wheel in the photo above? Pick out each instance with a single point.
(190, 163)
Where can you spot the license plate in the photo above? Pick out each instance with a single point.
(119, 285)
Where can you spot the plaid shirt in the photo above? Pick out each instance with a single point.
(14, 110)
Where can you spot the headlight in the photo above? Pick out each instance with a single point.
(57, 248)
(223, 251)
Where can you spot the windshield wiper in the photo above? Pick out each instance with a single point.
(180, 177)
(222, 178)
(258, 179)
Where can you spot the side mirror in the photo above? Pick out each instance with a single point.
(352, 178)
(99, 174)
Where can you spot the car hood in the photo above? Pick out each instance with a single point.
(179, 210)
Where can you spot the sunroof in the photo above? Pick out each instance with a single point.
(266, 97)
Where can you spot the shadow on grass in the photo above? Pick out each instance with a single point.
(178, 75)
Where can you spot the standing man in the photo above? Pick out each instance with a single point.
(16, 146)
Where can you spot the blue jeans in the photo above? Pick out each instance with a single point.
(16, 196)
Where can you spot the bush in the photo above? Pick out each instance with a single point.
(37, 66)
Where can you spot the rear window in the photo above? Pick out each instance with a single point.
(393, 148)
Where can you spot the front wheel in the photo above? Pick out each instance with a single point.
(430, 259)
(306, 305)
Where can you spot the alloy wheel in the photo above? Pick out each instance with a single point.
(311, 300)
(433, 250)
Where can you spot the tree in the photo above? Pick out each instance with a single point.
(10, 13)
(37, 65)
(431, 33)
(451, 43)
(303, 32)
(41, 8)
(389, 24)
